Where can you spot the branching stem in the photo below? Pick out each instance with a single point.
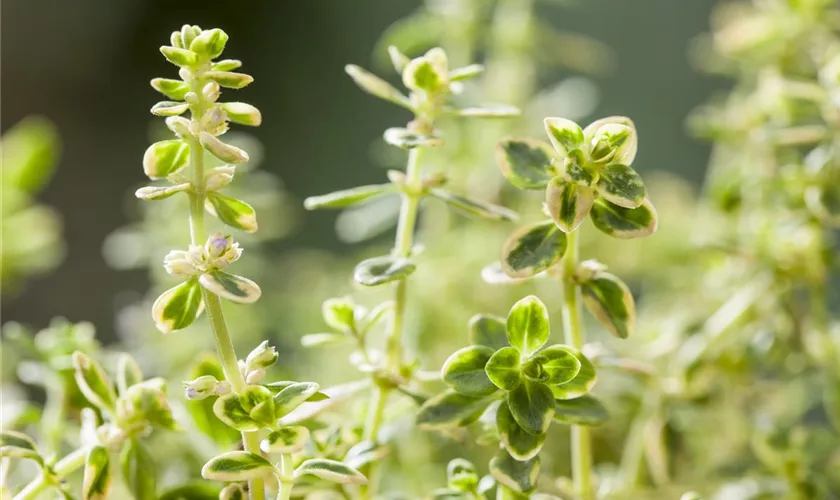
(62, 468)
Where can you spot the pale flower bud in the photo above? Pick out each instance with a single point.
(217, 244)
(262, 356)
(211, 91)
(185, 74)
(222, 388)
(177, 263)
(202, 387)
(255, 376)
(219, 177)
(214, 121)
(220, 251)
(179, 125)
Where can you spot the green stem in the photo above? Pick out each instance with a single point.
(504, 493)
(285, 482)
(633, 456)
(573, 329)
(403, 244)
(62, 468)
(230, 363)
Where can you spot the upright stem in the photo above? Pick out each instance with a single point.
(403, 244)
(286, 480)
(230, 363)
(504, 493)
(62, 468)
(573, 330)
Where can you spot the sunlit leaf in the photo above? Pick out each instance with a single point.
(568, 203)
(621, 185)
(526, 163)
(520, 444)
(532, 406)
(516, 475)
(178, 307)
(380, 270)
(330, 470)
(236, 466)
(527, 325)
(532, 249)
(624, 223)
(464, 371)
(585, 410)
(609, 300)
(231, 287)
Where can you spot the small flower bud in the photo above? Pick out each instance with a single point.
(219, 177)
(255, 376)
(191, 97)
(177, 263)
(210, 43)
(176, 40)
(608, 141)
(188, 34)
(222, 388)
(262, 356)
(201, 388)
(179, 125)
(185, 74)
(220, 251)
(214, 121)
(211, 91)
(217, 245)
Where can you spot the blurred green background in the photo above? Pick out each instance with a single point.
(86, 64)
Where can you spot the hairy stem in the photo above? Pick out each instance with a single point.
(62, 468)
(403, 245)
(212, 304)
(573, 329)
(285, 482)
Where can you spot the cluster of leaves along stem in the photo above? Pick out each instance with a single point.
(117, 416)
(431, 83)
(523, 385)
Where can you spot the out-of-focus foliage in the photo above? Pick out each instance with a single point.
(31, 232)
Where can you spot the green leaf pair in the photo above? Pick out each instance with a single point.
(260, 406)
(243, 466)
(510, 356)
(231, 211)
(583, 172)
(430, 81)
(362, 194)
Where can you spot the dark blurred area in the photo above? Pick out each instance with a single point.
(86, 65)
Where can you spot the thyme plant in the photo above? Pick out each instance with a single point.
(431, 84)
(583, 172)
(244, 401)
(727, 387)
